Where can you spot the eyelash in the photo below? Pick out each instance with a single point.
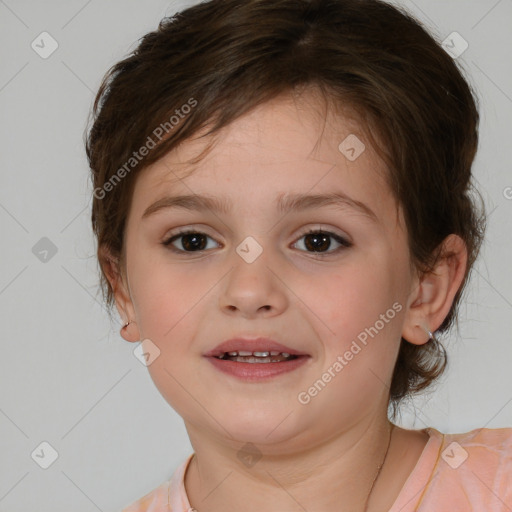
(345, 244)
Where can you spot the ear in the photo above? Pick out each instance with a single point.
(111, 267)
(433, 294)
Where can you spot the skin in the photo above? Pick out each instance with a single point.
(315, 455)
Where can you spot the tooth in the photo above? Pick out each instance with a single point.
(254, 360)
(233, 353)
(243, 353)
(261, 354)
(274, 353)
(285, 354)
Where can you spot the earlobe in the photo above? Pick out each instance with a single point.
(434, 295)
(130, 334)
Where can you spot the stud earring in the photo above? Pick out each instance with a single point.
(126, 325)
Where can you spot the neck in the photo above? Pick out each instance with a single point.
(340, 470)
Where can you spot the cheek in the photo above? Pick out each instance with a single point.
(165, 296)
(167, 299)
(360, 310)
(352, 298)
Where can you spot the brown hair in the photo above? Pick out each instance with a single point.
(215, 61)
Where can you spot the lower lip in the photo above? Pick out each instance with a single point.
(257, 371)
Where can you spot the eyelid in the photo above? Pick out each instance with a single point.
(189, 228)
(327, 230)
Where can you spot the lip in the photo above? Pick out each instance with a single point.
(252, 345)
(253, 372)
(256, 372)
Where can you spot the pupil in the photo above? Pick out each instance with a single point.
(320, 241)
(194, 237)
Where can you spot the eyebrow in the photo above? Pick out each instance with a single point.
(286, 203)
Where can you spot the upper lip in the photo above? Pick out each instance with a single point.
(251, 345)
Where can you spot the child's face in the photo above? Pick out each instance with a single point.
(187, 303)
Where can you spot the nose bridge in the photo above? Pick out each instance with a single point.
(250, 249)
(251, 259)
(251, 284)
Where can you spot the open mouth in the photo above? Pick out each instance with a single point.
(257, 366)
(257, 357)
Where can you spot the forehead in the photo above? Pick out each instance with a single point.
(290, 144)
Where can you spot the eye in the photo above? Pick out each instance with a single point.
(192, 241)
(318, 241)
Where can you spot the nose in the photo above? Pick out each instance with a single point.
(253, 289)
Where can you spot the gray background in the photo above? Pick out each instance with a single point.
(66, 376)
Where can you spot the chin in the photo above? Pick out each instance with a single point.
(263, 427)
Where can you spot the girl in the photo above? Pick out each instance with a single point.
(284, 214)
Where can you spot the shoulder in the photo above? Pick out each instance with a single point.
(475, 466)
(479, 446)
(155, 501)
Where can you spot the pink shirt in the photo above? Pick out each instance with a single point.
(455, 473)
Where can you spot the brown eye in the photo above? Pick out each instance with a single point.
(191, 241)
(318, 241)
